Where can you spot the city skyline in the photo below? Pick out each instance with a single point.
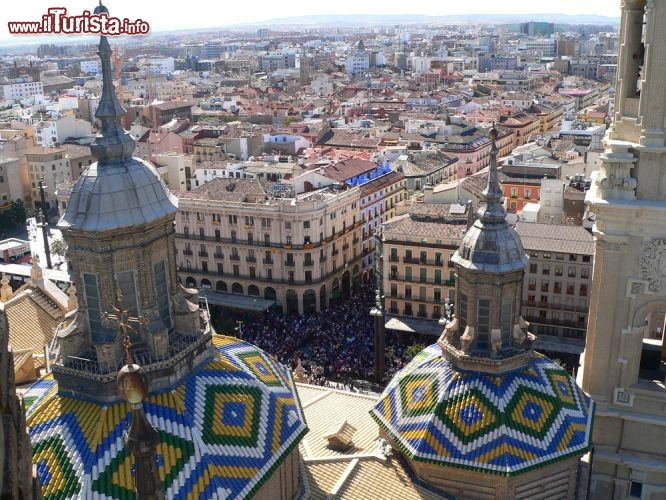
(238, 14)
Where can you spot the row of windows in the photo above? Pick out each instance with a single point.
(571, 271)
(557, 287)
(560, 256)
(422, 258)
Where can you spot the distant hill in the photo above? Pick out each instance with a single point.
(349, 20)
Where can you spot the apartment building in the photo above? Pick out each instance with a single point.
(51, 164)
(416, 274)
(378, 200)
(258, 243)
(557, 286)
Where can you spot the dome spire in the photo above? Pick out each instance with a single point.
(492, 212)
(114, 143)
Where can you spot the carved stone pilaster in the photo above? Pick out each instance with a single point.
(615, 180)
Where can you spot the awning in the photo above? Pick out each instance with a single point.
(415, 325)
(236, 301)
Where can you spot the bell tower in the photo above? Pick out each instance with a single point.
(623, 363)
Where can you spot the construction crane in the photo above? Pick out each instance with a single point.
(118, 76)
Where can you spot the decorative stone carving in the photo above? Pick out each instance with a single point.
(450, 329)
(467, 339)
(614, 180)
(653, 265)
(495, 341)
(520, 331)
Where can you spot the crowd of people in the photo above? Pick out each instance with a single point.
(335, 345)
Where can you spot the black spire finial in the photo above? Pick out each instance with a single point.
(114, 143)
(492, 212)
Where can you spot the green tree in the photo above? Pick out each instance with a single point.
(413, 350)
(59, 248)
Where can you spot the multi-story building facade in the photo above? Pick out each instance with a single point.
(53, 166)
(557, 284)
(378, 200)
(252, 240)
(54, 131)
(414, 260)
(21, 90)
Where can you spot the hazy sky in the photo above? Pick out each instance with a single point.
(192, 14)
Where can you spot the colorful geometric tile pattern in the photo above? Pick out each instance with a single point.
(222, 432)
(504, 424)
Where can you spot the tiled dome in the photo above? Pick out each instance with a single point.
(498, 423)
(222, 432)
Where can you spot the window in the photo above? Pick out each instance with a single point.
(585, 273)
(571, 289)
(587, 258)
(232, 219)
(233, 236)
(437, 295)
(528, 193)
(236, 270)
(635, 489)
(583, 290)
(463, 311)
(127, 287)
(265, 222)
(202, 234)
(249, 221)
(545, 269)
(287, 224)
(505, 322)
(220, 268)
(423, 275)
(250, 239)
(408, 292)
(438, 276)
(408, 255)
(306, 224)
(514, 192)
(533, 268)
(558, 270)
(531, 284)
(394, 290)
(482, 323)
(253, 272)
(423, 257)
(572, 272)
(91, 292)
(408, 274)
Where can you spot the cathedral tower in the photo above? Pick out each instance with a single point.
(623, 363)
(480, 415)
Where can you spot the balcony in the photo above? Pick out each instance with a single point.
(335, 252)
(410, 260)
(202, 254)
(345, 246)
(268, 261)
(322, 258)
(290, 263)
(219, 256)
(235, 257)
(251, 259)
(308, 263)
(392, 258)
(188, 252)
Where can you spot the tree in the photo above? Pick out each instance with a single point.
(59, 248)
(413, 350)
